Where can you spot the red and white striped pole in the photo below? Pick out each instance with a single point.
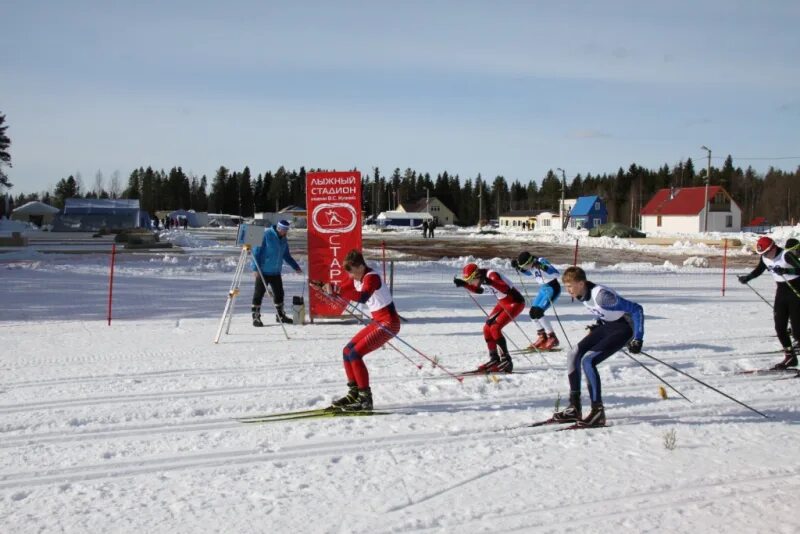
(724, 265)
(383, 252)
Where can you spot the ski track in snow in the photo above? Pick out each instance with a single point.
(99, 421)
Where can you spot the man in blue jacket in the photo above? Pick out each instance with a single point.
(269, 258)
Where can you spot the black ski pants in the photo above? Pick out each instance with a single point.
(787, 309)
(275, 282)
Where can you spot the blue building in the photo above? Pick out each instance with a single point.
(588, 212)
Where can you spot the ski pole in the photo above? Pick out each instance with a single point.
(759, 295)
(478, 304)
(363, 320)
(626, 353)
(790, 286)
(404, 342)
(555, 312)
(524, 288)
(706, 385)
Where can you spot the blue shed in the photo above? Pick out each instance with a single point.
(588, 212)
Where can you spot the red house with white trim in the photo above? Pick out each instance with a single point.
(683, 210)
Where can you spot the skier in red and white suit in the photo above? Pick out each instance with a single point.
(510, 303)
(366, 287)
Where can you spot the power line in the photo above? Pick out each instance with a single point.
(750, 158)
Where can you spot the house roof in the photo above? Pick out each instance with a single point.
(416, 206)
(35, 208)
(584, 205)
(404, 215)
(680, 200)
(419, 205)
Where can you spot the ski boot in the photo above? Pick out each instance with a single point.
(572, 413)
(492, 364)
(551, 342)
(596, 417)
(281, 317)
(256, 312)
(362, 403)
(505, 365)
(541, 338)
(789, 360)
(350, 398)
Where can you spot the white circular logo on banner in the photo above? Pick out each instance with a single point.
(334, 218)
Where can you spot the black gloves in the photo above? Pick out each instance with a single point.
(515, 265)
(459, 282)
(635, 346)
(779, 270)
(743, 278)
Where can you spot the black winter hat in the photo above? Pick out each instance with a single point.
(524, 259)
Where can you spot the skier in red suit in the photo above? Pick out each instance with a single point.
(510, 303)
(366, 287)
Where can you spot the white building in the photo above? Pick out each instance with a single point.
(440, 213)
(684, 210)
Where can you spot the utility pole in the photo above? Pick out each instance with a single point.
(563, 192)
(498, 202)
(480, 203)
(708, 179)
(427, 200)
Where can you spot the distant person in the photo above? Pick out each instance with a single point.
(364, 285)
(549, 289)
(269, 258)
(425, 228)
(431, 228)
(510, 303)
(785, 269)
(619, 321)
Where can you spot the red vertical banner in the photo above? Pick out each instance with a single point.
(333, 204)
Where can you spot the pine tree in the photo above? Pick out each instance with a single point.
(134, 189)
(65, 188)
(216, 199)
(246, 208)
(5, 156)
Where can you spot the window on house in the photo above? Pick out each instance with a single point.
(658, 221)
(597, 222)
(729, 221)
(545, 222)
(597, 206)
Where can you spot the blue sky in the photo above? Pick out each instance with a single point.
(506, 88)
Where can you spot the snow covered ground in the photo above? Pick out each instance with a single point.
(130, 427)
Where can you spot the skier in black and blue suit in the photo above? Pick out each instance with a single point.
(619, 322)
